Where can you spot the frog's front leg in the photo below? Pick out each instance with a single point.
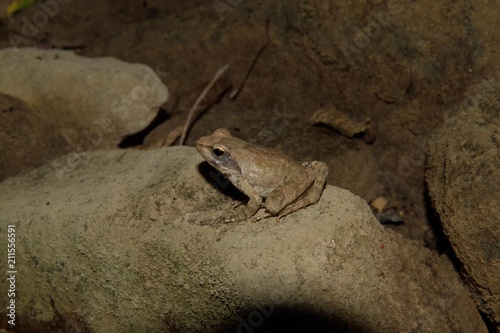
(299, 191)
(254, 201)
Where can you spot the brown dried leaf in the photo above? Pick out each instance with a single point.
(337, 120)
(379, 204)
(167, 140)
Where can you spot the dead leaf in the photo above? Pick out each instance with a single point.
(337, 120)
(379, 204)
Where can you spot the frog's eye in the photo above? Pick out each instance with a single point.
(220, 152)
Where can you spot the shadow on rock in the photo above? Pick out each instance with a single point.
(288, 319)
(218, 181)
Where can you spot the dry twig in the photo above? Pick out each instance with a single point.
(198, 101)
(235, 92)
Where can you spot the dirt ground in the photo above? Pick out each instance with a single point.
(403, 65)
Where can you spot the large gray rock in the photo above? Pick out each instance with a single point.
(27, 139)
(131, 241)
(463, 177)
(94, 102)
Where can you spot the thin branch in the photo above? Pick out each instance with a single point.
(235, 92)
(209, 86)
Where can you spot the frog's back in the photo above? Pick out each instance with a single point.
(266, 168)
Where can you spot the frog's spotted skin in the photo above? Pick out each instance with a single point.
(261, 172)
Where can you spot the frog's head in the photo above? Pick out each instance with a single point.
(216, 150)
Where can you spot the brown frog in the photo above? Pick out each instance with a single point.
(261, 172)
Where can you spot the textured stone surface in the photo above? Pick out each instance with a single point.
(26, 138)
(463, 177)
(132, 241)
